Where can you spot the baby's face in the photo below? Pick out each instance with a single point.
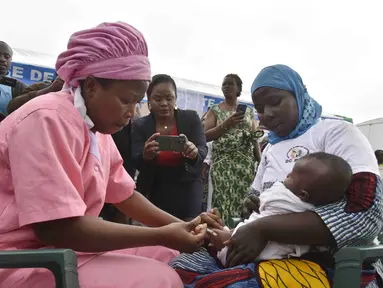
(303, 179)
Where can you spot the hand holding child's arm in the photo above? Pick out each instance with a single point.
(213, 219)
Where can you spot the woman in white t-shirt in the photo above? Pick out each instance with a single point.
(293, 118)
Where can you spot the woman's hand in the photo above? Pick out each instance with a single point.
(212, 219)
(185, 237)
(190, 150)
(245, 245)
(151, 148)
(250, 204)
(234, 119)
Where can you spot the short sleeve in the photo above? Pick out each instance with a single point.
(353, 229)
(215, 109)
(347, 141)
(360, 227)
(257, 184)
(120, 185)
(44, 155)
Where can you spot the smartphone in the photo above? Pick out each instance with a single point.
(171, 143)
(241, 108)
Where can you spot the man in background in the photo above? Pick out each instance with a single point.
(7, 93)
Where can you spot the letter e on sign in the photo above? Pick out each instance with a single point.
(17, 72)
(48, 76)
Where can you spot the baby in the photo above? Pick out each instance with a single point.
(316, 179)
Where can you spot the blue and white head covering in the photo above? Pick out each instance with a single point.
(284, 78)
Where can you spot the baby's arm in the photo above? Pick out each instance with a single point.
(221, 237)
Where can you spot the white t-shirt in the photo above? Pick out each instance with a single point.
(331, 136)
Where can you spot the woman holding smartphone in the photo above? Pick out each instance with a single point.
(170, 179)
(231, 127)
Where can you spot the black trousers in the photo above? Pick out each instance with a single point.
(182, 200)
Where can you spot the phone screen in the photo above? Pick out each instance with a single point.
(241, 108)
(170, 143)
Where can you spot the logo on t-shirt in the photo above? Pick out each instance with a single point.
(268, 185)
(296, 153)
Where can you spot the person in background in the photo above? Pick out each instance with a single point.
(379, 158)
(7, 93)
(171, 180)
(33, 91)
(52, 193)
(232, 150)
(123, 140)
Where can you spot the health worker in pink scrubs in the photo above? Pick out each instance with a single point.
(59, 165)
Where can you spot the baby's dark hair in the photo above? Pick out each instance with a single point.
(338, 178)
(158, 79)
(237, 80)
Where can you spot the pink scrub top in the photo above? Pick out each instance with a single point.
(52, 167)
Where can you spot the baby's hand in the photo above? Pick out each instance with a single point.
(221, 237)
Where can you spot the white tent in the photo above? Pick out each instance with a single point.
(31, 66)
(48, 61)
(34, 58)
(373, 130)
